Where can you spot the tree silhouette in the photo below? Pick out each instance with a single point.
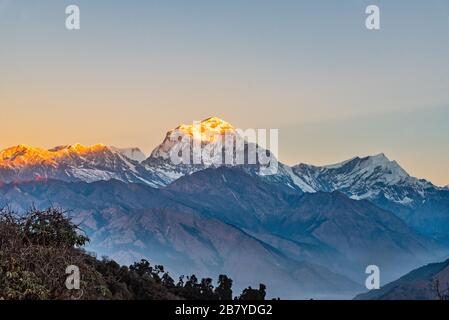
(224, 289)
(207, 289)
(50, 228)
(168, 281)
(254, 294)
(142, 268)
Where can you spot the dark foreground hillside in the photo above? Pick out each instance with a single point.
(36, 249)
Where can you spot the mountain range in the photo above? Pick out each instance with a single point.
(72, 163)
(307, 231)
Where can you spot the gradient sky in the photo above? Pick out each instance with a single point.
(309, 68)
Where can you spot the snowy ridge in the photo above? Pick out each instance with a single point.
(366, 178)
(72, 163)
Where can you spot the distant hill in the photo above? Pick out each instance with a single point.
(419, 284)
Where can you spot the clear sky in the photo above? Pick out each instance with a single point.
(308, 68)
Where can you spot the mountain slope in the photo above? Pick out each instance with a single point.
(364, 233)
(132, 153)
(419, 284)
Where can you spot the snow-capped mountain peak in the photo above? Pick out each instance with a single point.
(209, 131)
(21, 154)
(379, 167)
(368, 177)
(211, 134)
